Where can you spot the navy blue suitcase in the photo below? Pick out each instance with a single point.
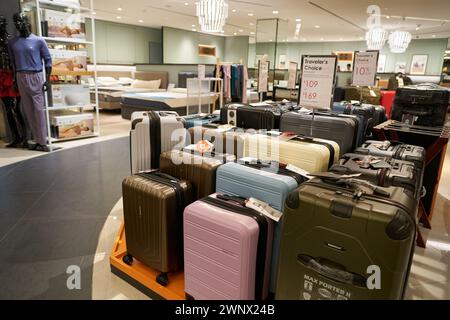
(365, 111)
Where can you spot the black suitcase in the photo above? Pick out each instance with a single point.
(425, 105)
(342, 129)
(395, 150)
(379, 115)
(265, 116)
(382, 171)
(339, 94)
(338, 233)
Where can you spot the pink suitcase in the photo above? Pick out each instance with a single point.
(227, 250)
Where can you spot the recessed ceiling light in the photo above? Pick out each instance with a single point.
(234, 10)
(317, 26)
(119, 9)
(119, 17)
(388, 17)
(235, 34)
(141, 21)
(250, 14)
(240, 30)
(186, 3)
(252, 32)
(298, 20)
(275, 12)
(94, 12)
(193, 26)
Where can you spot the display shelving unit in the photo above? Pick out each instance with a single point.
(86, 10)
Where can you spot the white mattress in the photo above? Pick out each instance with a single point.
(118, 91)
(172, 99)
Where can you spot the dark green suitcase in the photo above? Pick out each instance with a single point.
(335, 232)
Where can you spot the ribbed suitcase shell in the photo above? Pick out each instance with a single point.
(342, 130)
(220, 254)
(153, 220)
(394, 150)
(311, 155)
(227, 142)
(344, 236)
(265, 117)
(199, 171)
(272, 188)
(146, 148)
(400, 173)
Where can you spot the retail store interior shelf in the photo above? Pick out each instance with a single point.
(67, 40)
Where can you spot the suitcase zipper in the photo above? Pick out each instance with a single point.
(262, 238)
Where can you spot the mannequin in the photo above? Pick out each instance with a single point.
(9, 93)
(27, 53)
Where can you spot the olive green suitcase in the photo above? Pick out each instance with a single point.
(336, 234)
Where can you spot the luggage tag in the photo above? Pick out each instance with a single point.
(264, 208)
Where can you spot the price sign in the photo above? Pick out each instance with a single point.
(318, 80)
(365, 68)
(293, 66)
(263, 76)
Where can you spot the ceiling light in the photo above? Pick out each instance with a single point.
(388, 17)
(275, 12)
(252, 32)
(94, 12)
(119, 9)
(376, 38)
(317, 26)
(240, 30)
(251, 23)
(234, 10)
(298, 20)
(399, 41)
(434, 36)
(235, 34)
(119, 17)
(212, 14)
(186, 3)
(193, 26)
(270, 40)
(250, 14)
(141, 21)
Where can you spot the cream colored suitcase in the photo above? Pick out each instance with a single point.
(310, 154)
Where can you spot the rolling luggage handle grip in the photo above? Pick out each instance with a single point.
(164, 175)
(335, 274)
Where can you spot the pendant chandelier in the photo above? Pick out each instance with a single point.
(376, 38)
(399, 41)
(212, 15)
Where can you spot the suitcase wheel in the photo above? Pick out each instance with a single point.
(162, 279)
(128, 259)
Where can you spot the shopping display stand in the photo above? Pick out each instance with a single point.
(73, 76)
(143, 277)
(435, 141)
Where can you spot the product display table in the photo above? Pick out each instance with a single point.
(435, 141)
(142, 277)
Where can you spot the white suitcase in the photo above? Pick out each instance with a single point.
(310, 154)
(151, 135)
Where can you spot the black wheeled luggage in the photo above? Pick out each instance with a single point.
(422, 105)
(395, 150)
(259, 116)
(382, 171)
(341, 129)
(344, 239)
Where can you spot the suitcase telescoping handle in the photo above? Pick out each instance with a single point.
(332, 273)
(353, 183)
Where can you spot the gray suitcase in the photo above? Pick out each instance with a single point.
(342, 130)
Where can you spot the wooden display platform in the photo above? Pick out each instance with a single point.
(142, 277)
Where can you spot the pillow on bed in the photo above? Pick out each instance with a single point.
(107, 81)
(142, 84)
(125, 81)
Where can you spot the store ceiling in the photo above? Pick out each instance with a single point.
(322, 20)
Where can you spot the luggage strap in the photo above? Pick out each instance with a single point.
(262, 238)
(155, 138)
